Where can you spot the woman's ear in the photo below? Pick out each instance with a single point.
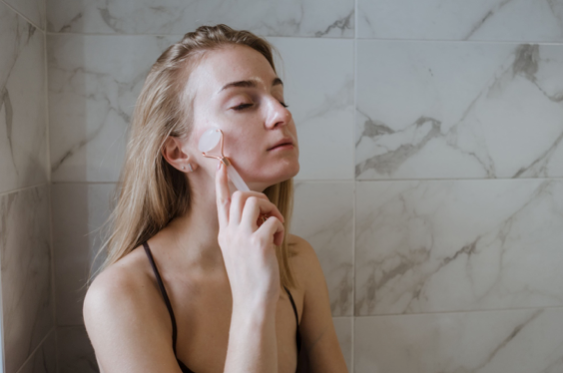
(172, 151)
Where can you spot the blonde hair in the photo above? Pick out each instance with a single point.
(152, 192)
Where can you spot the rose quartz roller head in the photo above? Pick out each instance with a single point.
(213, 139)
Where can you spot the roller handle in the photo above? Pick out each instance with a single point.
(236, 179)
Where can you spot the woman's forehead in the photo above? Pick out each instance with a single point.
(221, 67)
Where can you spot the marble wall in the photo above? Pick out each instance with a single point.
(431, 164)
(27, 303)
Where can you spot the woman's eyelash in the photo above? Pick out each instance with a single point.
(244, 106)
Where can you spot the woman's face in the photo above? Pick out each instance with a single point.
(235, 89)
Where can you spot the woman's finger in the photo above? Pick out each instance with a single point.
(223, 195)
(273, 229)
(254, 207)
(238, 200)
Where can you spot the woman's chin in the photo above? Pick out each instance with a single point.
(268, 180)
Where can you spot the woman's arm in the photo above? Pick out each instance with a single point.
(322, 351)
(252, 341)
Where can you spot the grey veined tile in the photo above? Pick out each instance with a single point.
(44, 360)
(311, 18)
(26, 273)
(318, 77)
(75, 352)
(23, 140)
(459, 110)
(94, 82)
(322, 215)
(507, 20)
(519, 341)
(79, 211)
(34, 10)
(438, 246)
(343, 327)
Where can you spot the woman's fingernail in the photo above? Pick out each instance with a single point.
(219, 165)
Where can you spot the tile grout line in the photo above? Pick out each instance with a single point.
(22, 189)
(490, 310)
(516, 42)
(343, 181)
(2, 344)
(50, 192)
(353, 145)
(39, 345)
(24, 17)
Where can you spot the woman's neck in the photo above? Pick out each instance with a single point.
(194, 234)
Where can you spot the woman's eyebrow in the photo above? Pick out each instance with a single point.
(249, 84)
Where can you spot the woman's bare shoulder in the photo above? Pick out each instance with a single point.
(304, 260)
(124, 287)
(301, 248)
(126, 319)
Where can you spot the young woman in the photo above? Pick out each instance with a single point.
(197, 279)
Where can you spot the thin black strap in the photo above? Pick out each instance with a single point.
(297, 336)
(164, 294)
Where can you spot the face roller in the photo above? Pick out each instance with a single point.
(213, 139)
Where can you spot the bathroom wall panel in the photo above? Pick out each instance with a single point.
(25, 259)
(318, 77)
(23, 151)
(517, 20)
(44, 358)
(519, 341)
(343, 327)
(437, 246)
(322, 215)
(94, 81)
(34, 10)
(299, 18)
(441, 110)
(75, 352)
(79, 211)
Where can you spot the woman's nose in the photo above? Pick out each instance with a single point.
(277, 114)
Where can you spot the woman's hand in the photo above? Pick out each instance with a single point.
(248, 245)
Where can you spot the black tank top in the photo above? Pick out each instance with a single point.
(183, 367)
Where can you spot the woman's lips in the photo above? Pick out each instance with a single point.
(285, 143)
(283, 147)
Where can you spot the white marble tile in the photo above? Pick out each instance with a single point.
(94, 82)
(318, 18)
(44, 359)
(459, 110)
(427, 246)
(34, 10)
(323, 215)
(75, 352)
(25, 258)
(79, 211)
(318, 77)
(343, 327)
(508, 20)
(516, 341)
(23, 141)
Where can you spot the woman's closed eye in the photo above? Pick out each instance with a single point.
(244, 106)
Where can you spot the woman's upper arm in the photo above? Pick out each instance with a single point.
(317, 328)
(125, 330)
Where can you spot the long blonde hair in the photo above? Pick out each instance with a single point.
(151, 192)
